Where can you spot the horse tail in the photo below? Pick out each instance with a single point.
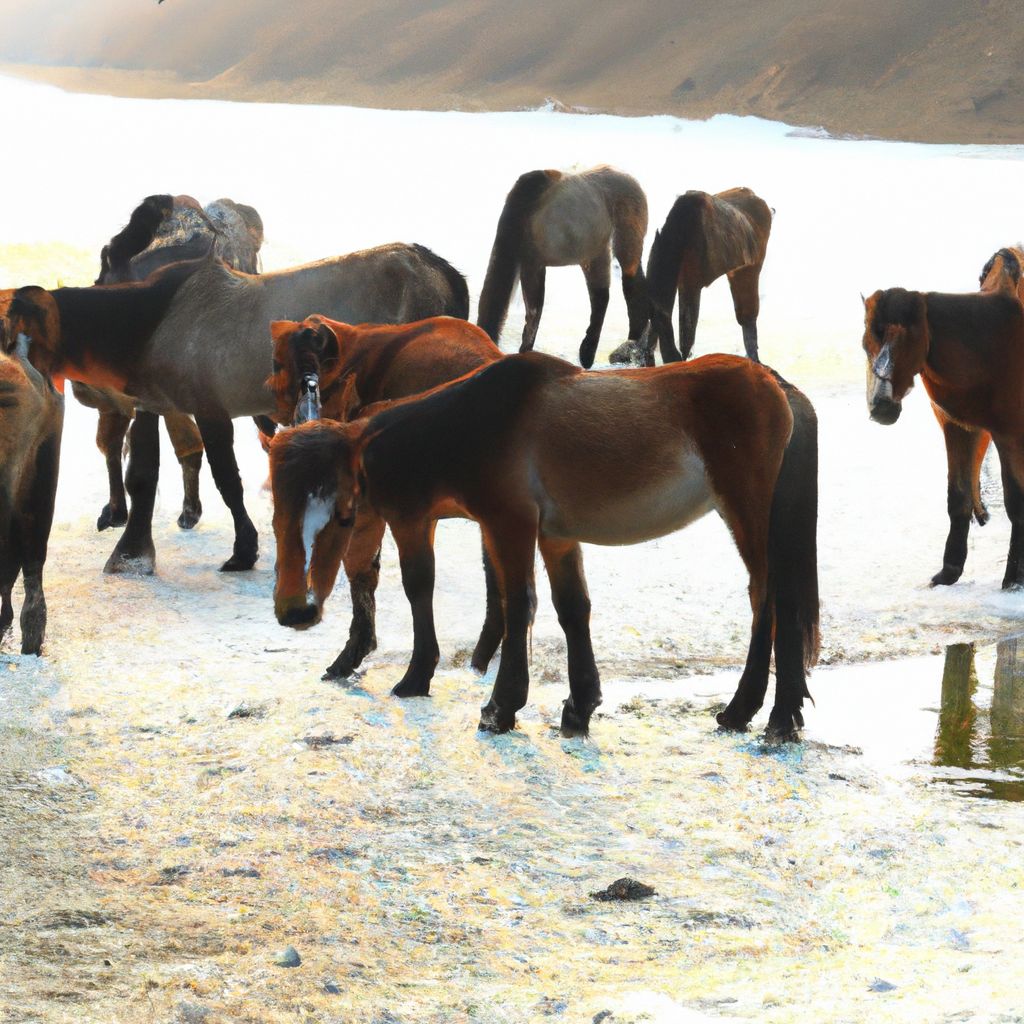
(506, 253)
(457, 303)
(793, 547)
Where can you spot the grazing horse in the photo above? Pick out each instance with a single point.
(325, 369)
(192, 338)
(161, 230)
(542, 453)
(551, 219)
(31, 418)
(969, 351)
(704, 237)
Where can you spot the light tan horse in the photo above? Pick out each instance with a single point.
(552, 219)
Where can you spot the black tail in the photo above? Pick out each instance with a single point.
(458, 303)
(793, 555)
(503, 268)
(142, 226)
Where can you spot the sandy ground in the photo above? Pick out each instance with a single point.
(181, 796)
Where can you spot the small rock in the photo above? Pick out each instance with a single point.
(624, 889)
(881, 985)
(318, 741)
(288, 957)
(249, 710)
(191, 1013)
(58, 775)
(172, 874)
(602, 1016)
(73, 919)
(332, 988)
(239, 872)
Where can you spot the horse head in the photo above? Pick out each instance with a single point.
(33, 327)
(314, 481)
(136, 236)
(306, 364)
(1002, 272)
(896, 345)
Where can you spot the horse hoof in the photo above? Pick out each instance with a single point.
(573, 723)
(411, 688)
(587, 352)
(729, 721)
(345, 664)
(496, 720)
(111, 517)
(626, 354)
(784, 727)
(240, 562)
(189, 517)
(301, 617)
(120, 564)
(947, 576)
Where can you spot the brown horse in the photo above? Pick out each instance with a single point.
(192, 338)
(161, 230)
(542, 453)
(326, 369)
(704, 237)
(31, 418)
(969, 351)
(551, 219)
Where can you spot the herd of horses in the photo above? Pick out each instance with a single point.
(399, 412)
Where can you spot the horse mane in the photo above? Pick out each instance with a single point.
(140, 231)
(1010, 262)
(458, 305)
(681, 233)
(506, 253)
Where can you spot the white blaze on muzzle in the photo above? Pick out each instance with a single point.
(880, 379)
(308, 406)
(317, 515)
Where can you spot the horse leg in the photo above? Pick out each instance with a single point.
(627, 247)
(564, 563)
(753, 684)
(531, 278)
(218, 437)
(10, 558)
(747, 303)
(598, 273)
(362, 567)
(961, 449)
(36, 521)
(110, 434)
(188, 447)
(981, 444)
(1011, 459)
(494, 620)
(134, 552)
(689, 311)
(416, 556)
(513, 552)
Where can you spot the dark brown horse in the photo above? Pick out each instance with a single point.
(192, 338)
(704, 237)
(969, 351)
(551, 219)
(162, 230)
(327, 370)
(542, 453)
(31, 418)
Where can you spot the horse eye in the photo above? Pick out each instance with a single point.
(277, 366)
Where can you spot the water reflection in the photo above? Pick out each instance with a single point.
(980, 737)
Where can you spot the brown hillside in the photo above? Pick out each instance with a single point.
(936, 70)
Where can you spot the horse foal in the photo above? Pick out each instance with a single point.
(543, 454)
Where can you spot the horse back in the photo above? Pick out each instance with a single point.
(736, 229)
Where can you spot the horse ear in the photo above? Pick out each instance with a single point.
(281, 329)
(350, 400)
(863, 301)
(328, 341)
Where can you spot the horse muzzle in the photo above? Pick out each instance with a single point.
(884, 410)
(308, 406)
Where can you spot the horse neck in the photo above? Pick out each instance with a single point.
(972, 337)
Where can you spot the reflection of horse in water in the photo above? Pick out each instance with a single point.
(161, 230)
(551, 219)
(963, 740)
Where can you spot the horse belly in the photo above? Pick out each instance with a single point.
(611, 514)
